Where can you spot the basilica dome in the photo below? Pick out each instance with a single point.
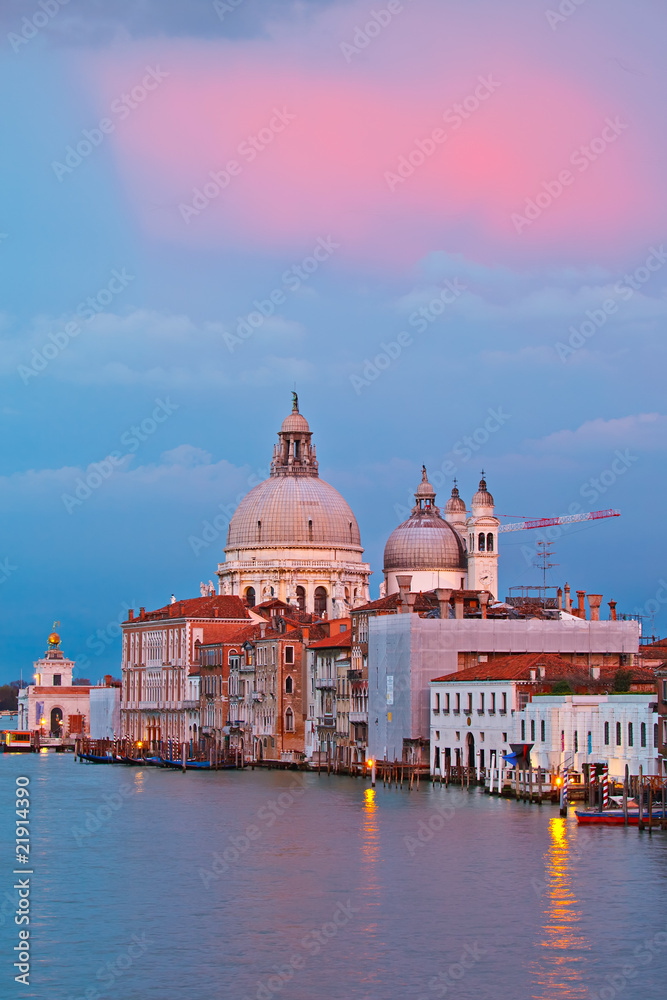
(293, 510)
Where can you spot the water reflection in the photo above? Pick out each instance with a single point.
(560, 963)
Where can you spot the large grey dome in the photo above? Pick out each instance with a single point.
(293, 510)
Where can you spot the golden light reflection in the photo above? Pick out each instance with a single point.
(559, 969)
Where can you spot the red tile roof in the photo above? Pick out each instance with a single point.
(518, 667)
(225, 605)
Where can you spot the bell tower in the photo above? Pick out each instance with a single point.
(482, 528)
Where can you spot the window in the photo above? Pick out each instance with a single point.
(504, 737)
(618, 734)
(57, 680)
(489, 542)
(493, 701)
(289, 721)
(320, 601)
(523, 730)
(606, 734)
(436, 704)
(480, 542)
(576, 741)
(631, 737)
(250, 596)
(469, 709)
(289, 654)
(543, 730)
(642, 734)
(301, 598)
(504, 703)
(458, 702)
(532, 730)
(481, 701)
(288, 685)
(446, 702)
(562, 740)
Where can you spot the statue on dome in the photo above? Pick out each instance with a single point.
(295, 403)
(54, 638)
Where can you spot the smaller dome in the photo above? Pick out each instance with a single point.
(295, 424)
(424, 489)
(483, 498)
(455, 503)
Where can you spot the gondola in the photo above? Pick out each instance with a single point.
(96, 759)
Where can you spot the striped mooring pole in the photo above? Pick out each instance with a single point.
(563, 793)
(605, 786)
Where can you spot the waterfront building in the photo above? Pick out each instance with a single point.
(226, 672)
(661, 681)
(294, 537)
(279, 699)
(57, 705)
(329, 702)
(477, 713)
(161, 684)
(406, 652)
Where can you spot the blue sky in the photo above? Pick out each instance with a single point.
(557, 325)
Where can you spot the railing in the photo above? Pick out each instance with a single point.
(358, 716)
(327, 721)
(325, 683)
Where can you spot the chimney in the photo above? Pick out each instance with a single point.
(411, 598)
(458, 604)
(560, 598)
(262, 629)
(403, 589)
(215, 612)
(594, 602)
(568, 602)
(107, 680)
(595, 671)
(533, 674)
(181, 607)
(612, 611)
(130, 615)
(142, 613)
(443, 595)
(483, 601)
(305, 632)
(581, 608)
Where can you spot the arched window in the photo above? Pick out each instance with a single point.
(480, 542)
(320, 601)
(606, 734)
(250, 596)
(631, 735)
(576, 741)
(310, 531)
(289, 721)
(619, 736)
(642, 734)
(301, 598)
(543, 730)
(489, 542)
(523, 730)
(56, 721)
(288, 685)
(259, 531)
(532, 730)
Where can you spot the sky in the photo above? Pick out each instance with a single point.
(440, 220)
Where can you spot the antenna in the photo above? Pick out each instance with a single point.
(544, 553)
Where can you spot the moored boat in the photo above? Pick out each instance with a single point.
(614, 817)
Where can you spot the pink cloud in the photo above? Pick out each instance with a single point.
(326, 171)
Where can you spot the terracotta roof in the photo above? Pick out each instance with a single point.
(518, 667)
(229, 633)
(225, 605)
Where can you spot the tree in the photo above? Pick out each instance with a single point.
(561, 687)
(9, 698)
(622, 680)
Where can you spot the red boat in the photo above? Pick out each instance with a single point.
(614, 817)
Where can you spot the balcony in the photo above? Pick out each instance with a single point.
(325, 683)
(257, 696)
(359, 717)
(326, 722)
(247, 668)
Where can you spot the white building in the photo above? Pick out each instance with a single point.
(478, 713)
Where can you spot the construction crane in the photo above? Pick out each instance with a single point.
(546, 522)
